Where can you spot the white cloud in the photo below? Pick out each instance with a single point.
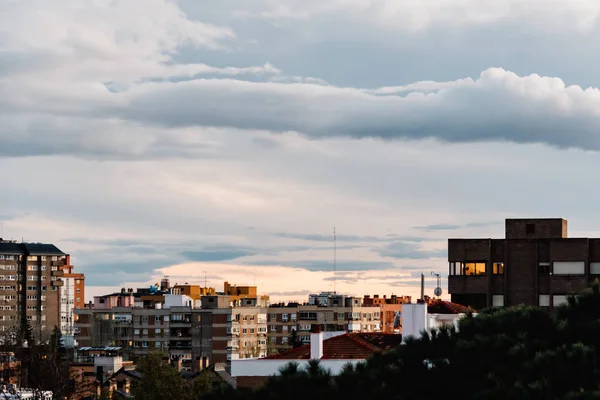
(416, 15)
(499, 106)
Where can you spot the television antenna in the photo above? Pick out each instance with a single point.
(334, 258)
(437, 292)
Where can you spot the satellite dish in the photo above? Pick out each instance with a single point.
(437, 291)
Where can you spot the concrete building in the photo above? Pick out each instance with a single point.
(536, 264)
(30, 280)
(389, 307)
(72, 296)
(200, 333)
(423, 316)
(341, 314)
(245, 295)
(333, 352)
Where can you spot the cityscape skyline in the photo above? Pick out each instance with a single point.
(149, 138)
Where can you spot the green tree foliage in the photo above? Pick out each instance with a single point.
(512, 353)
(160, 380)
(294, 340)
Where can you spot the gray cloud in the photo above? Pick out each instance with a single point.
(292, 293)
(495, 107)
(216, 255)
(449, 227)
(316, 237)
(401, 249)
(327, 265)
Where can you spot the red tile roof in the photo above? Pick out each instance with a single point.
(345, 347)
(446, 307)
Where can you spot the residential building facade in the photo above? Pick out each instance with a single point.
(390, 308)
(72, 296)
(536, 264)
(343, 313)
(198, 332)
(30, 278)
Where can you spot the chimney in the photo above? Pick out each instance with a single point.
(122, 290)
(316, 343)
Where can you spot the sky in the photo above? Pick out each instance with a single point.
(225, 140)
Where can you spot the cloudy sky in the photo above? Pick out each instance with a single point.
(152, 137)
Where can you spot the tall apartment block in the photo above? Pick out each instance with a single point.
(30, 288)
(536, 264)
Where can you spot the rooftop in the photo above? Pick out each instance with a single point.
(446, 307)
(345, 347)
(36, 249)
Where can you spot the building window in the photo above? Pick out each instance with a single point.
(595, 268)
(273, 328)
(157, 331)
(568, 268)
(498, 300)
(273, 340)
(467, 268)
(244, 331)
(498, 268)
(77, 281)
(544, 300)
(251, 331)
(559, 299)
(544, 268)
(530, 229)
(78, 290)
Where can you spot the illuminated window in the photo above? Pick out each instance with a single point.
(471, 269)
(498, 268)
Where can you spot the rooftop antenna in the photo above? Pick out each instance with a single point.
(205, 286)
(334, 259)
(438, 289)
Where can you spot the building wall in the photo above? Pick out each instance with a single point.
(302, 318)
(531, 259)
(261, 367)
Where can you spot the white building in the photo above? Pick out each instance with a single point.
(420, 317)
(333, 349)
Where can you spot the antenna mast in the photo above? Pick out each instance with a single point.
(205, 286)
(334, 259)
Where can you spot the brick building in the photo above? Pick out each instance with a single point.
(389, 307)
(339, 313)
(30, 282)
(536, 264)
(199, 332)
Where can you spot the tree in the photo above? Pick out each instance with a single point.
(294, 340)
(159, 379)
(512, 353)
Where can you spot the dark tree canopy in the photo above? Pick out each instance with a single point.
(510, 353)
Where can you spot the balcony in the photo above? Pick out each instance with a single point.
(180, 345)
(58, 273)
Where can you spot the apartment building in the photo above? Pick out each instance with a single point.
(72, 296)
(389, 307)
(347, 314)
(30, 278)
(244, 295)
(536, 264)
(199, 333)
